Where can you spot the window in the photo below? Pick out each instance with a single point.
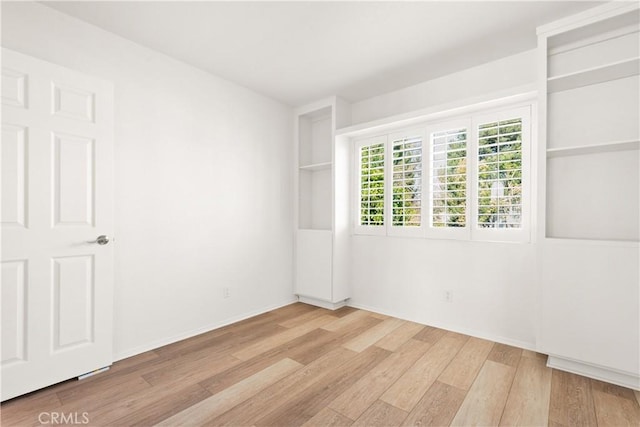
(406, 182)
(449, 180)
(500, 174)
(371, 188)
(478, 182)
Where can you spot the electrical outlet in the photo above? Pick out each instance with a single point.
(226, 292)
(447, 296)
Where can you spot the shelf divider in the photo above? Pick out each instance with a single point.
(316, 166)
(604, 73)
(595, 148)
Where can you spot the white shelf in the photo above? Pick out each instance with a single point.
(591, 242)
(316, 166)
(604, 73)
(594, 148)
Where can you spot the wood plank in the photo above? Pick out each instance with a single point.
(438, 406)
(329, 342)
(411, 386)
(300, 408)
(222, 343)
(328, 418)
(304, 318)
(148, 406)
(615, 411)
(464, 368)
(398, 337)
(343, 311)
(533, 355)
(430, 334)
(571, 402)
(377, 315)
(20, 411)
(637, 394)
(360, 396)
(219, 403)
(218, 382)
(279, 394)
(486, 398)
(279, 339)
(381, 414)
(371, 336)
(528, 402)
(241, 328)
(613, 389)
(505, 354)
(333, 376)
(191, 371)
(345, 321)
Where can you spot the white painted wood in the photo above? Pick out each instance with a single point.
(322, 206)
(57, 195)
(321, 303)
(591, 304)
(594, 196)
(314, 264)
(600, 74)
(594, 148)
(611, 48)
(14, 176)
(588, 194)
(316, 166)
(595, 114)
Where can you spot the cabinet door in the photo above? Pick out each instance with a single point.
(313, 264)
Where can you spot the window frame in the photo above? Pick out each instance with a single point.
(522, 234)
(472, 117)
(403, 231)
(372, 230)
(454, 233)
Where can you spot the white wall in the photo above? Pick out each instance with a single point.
(203, 182)
(503, 74)
(494, 285)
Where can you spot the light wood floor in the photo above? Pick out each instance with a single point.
(300, 365)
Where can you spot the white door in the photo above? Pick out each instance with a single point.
(57, 198)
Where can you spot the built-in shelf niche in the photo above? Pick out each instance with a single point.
(315, 170)
(593, 133)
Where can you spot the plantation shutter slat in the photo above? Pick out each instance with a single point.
(406, 182)
(372, 184)
(449, 178)
(500, 174)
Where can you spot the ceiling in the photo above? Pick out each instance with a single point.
(297, 52)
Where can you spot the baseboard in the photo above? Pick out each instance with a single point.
(612, 376)
(471, 332)
(320, 303)
(179, 337)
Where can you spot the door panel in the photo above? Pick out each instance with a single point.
(57, 197)
(14, 175)
(14, 312)
(73, 187)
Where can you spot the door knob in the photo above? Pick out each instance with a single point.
(102, 240)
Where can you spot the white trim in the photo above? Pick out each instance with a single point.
(322, 303)
(376, 230)
(587, 17)
(598, 38)
(441, 325)
(522, 234)
(402, 231)
(192, 333)
(624, 379)
(461, 233)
